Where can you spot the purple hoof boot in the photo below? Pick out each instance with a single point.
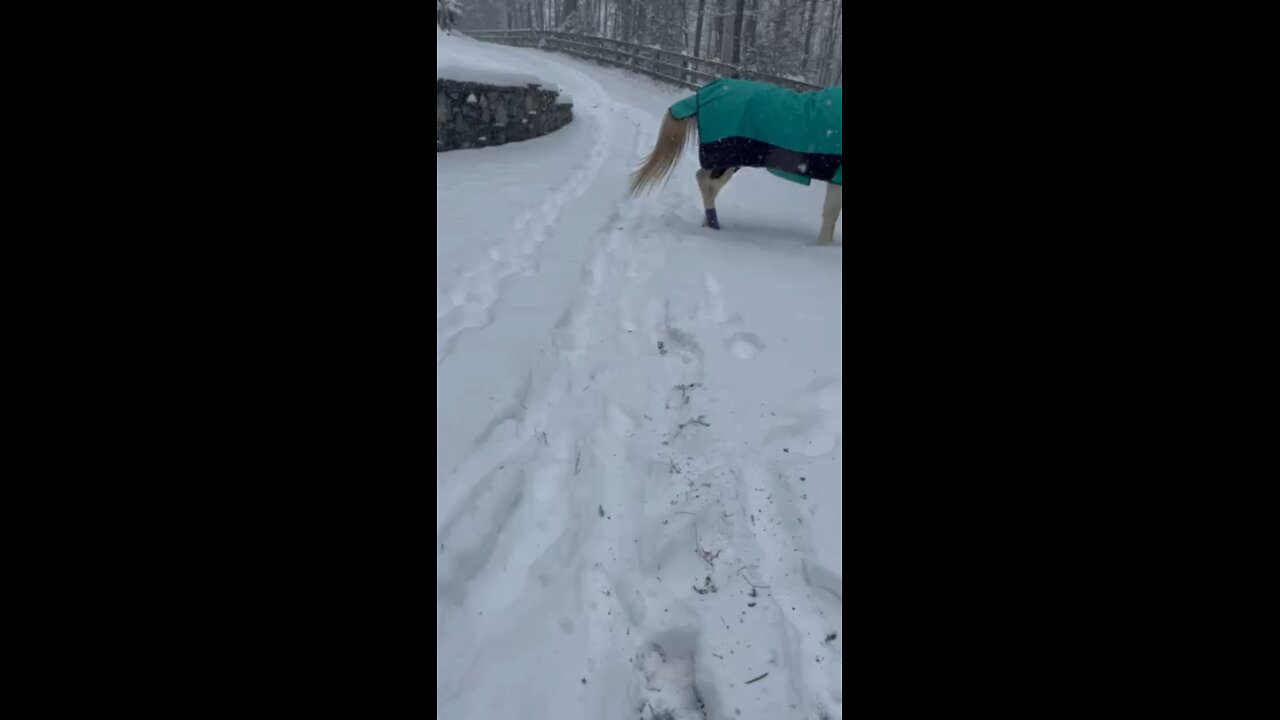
(713, 222)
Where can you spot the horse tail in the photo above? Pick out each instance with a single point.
(673, 136)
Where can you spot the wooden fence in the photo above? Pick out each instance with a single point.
(665, 65)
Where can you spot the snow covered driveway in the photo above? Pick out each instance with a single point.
(639, 429)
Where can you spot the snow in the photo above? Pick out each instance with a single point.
(465, 60)
(639, 428)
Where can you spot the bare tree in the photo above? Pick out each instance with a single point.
(810, 29)
(837, 11)
(738, 15)
(697, 36)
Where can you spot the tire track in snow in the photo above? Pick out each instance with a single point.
(509, 539)
(513, 519)
(482, 481)
(468, 305)
(572, 333)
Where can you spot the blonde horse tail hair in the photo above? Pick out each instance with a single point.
(673, 136)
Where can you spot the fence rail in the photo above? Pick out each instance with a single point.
(665, 65)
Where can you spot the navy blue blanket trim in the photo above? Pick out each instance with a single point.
(746, 152)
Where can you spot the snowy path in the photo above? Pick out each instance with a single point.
(639, 421)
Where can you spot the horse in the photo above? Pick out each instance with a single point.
(741, 123)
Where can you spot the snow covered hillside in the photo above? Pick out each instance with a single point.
(639, 427)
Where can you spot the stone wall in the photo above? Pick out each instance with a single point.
(471, 115)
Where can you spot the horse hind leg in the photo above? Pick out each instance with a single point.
(708, 199)
(831, 208)
(710, 183)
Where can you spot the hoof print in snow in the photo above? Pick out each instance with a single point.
(745, 345)
(671, 680)
(707, 586)
(700, 420)
(674, 400)
(708, 556)
(684, 391)
(688, 346)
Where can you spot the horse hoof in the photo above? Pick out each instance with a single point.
(712, 221)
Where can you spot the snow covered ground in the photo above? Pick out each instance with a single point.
(639, 428)
(462, 59)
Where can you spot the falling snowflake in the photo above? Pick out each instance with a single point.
(472, 98)
(804, 167)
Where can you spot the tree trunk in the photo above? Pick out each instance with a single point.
(831, 39)
(727, 37)
(738, 16)
(697, 35)
(715, 32)
(809, 33)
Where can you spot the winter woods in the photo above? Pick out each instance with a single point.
(799, 39)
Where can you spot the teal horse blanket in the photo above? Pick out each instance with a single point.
(749, 124)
